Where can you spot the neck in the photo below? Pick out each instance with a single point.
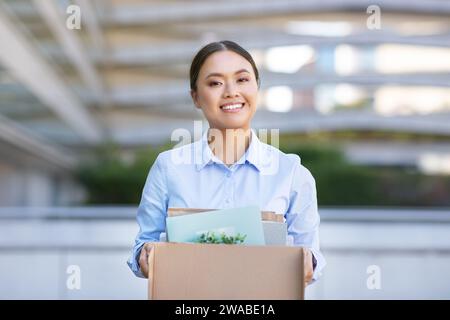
(229, 145)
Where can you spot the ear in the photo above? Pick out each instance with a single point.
(194, 96)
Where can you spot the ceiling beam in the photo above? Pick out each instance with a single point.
(436, 123)
(72, 45)
(302, 80)
(21, 138)
(26, 64)
(126, 14)
(145, 13)
(183, 52)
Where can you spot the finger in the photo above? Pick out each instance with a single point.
(143, 258)
(308, 277)
(307, 253)
(143, 263)
(148, 248)
(308, 265)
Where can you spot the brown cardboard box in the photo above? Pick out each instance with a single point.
(219, 271)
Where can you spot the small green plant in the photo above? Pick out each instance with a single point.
(212, 237)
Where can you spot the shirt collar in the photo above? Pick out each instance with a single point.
(205, 156)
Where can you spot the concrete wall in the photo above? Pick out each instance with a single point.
(409, 248)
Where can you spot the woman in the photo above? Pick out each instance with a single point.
(230, 167)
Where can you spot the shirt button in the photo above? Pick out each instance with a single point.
(228, 174)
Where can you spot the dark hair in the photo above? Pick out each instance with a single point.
(213, 47)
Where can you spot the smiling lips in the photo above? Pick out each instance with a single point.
(232, 107)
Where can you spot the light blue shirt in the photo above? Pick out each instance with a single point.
(192, 177)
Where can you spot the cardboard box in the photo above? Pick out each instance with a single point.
(219, 271)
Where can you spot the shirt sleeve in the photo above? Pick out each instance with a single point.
(302, 216)
(151, 213)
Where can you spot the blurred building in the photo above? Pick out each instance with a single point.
(123, 77)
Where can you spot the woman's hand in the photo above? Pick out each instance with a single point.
(143, 258)
(308, 265)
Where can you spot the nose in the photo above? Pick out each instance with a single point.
(230, 91)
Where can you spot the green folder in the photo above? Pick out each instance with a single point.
(245, 221)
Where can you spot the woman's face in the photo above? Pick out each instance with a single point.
(227, 91)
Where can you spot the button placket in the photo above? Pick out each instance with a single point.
(229, 188)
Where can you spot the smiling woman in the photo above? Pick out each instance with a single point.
(225, 81)
(231, 167)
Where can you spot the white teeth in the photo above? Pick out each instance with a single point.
(233, 106)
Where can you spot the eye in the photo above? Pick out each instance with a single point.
(243, 80)
(214, 83)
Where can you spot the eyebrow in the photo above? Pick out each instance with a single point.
(221, 75)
